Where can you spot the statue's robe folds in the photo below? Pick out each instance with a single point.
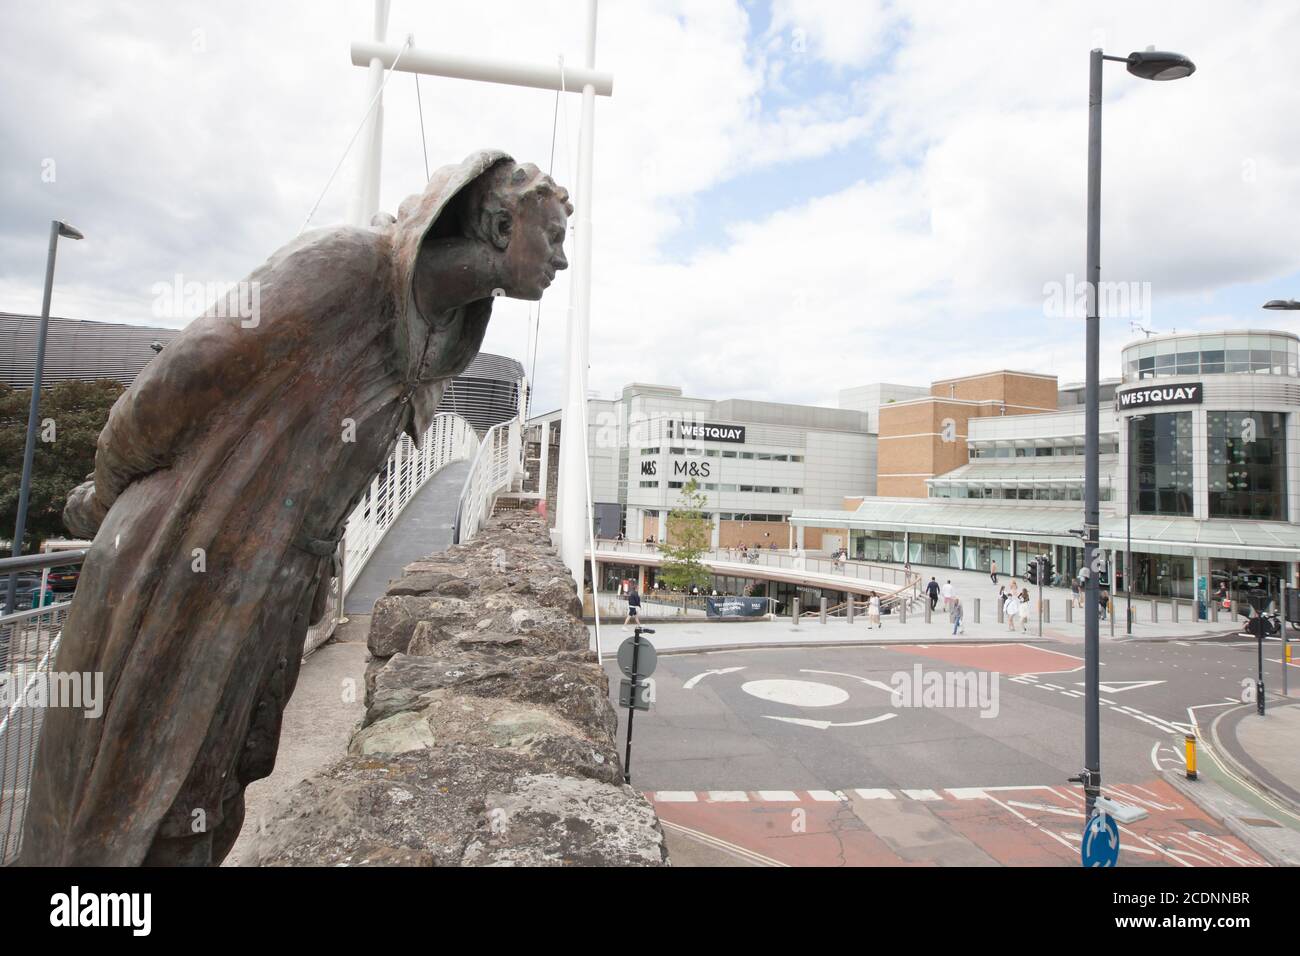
(223, 480)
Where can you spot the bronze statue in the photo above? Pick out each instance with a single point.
(222, 483)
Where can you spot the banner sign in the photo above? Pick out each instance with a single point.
(737, 606)
(1142, 396)
(707, 431)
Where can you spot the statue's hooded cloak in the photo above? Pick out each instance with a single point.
(222, 483)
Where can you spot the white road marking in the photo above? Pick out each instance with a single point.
(699, 677)
(823, 724)
(796, 693)
(778, 796)
(1119, 686)
(877, 794)
(828, 796)
(675, 796)
(922, 795)
(879, 685)
(724, 845)
(727, 796)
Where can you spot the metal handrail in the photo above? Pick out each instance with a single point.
(49, 559)
(498, 461)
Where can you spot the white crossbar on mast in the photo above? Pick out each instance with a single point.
(572, 519)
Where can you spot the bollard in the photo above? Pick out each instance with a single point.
(1047, 610)
(1286, 661)
(823, 610)
(1234, 610)
(794, 606)
(1155, 612)
(902, 611)
(849, 610)
(1173, 611)
(1189, 744)
(1001, 611)
(1069, 611)
(977, 610)
(1214, 612)
(927, 610)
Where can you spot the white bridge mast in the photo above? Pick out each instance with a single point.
(572, 520)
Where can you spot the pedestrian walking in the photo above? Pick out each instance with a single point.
(873, 611)
(993, 571)
(954, 615)
(932, 589)
(949, 595)
(633, 607)
(1011, 608)
(1024, 609)
(1074, 591)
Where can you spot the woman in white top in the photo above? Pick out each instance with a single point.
(1011, 609)
(873, 611)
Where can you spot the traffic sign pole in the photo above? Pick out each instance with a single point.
(631, 710)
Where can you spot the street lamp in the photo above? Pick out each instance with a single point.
(1288, 304)
(1149, 65)
(57, 229)
(1128, 529)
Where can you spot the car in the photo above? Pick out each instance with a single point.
(64, 579)
(25, 589)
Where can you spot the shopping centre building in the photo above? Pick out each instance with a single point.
(754, 462)
(1199, 441)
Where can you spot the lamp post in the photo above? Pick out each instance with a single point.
(1148, 65)
(1128, 527)
(57, 229)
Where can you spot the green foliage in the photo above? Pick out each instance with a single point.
(689, 533)
(73, 414)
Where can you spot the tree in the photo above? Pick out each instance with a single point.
(70, 418)
(689, 534)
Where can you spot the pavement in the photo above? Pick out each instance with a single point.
(697, 633)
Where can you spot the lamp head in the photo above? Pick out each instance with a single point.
(1289, 304)
(69, 232)
(1152, 64)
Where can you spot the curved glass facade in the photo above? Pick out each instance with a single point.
(1218, 353)
(1247, 462)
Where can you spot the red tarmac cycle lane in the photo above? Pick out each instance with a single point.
(1003, 658)
(993, 826)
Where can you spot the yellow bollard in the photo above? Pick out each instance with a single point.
(1190, 745)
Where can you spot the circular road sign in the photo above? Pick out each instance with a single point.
(646, 658)
(1100, 841)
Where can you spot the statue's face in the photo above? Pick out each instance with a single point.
(536, 250)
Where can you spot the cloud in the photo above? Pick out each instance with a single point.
(194, 140)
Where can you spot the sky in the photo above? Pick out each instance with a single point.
(791, 197)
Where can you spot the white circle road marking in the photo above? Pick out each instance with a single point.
(796, 693)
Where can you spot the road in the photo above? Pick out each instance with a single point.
(800, 756)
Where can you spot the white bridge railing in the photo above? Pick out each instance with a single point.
(496, 466)
(450, 438)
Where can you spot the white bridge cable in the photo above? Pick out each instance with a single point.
(374, 101)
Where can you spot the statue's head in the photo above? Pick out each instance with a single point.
(523, 215)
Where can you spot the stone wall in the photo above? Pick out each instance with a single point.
(488, 737)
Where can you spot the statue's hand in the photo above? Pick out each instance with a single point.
(84, 513)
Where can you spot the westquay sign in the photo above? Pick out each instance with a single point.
(707, 431)
(1144, 396)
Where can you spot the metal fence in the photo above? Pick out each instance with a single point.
(29, 639)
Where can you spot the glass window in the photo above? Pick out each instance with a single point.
(1247, 465)
(1162, 449)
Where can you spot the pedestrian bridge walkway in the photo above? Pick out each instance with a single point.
(792, 567)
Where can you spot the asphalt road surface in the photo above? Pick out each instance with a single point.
(807, 756)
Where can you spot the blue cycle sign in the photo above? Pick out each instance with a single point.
(1100, 840)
